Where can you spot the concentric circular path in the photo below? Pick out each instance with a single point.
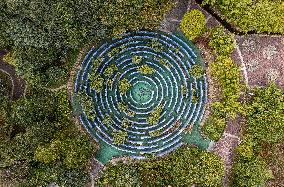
(137, 94)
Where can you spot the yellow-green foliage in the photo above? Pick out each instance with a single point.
(156, 45)
(106, 120)
(193, 24)
(156, 133)
(227, 75)
(122, 106)
(124, 86)
(154, 116)
(249, 15)
(136, 59)
(72, 152)
(97, 83)
(214, 126)
(186, 166)
(119, 137)
(164, 62)
(250, 172)
(48, 153)
(194, 96)
(146, 69)
(96, 63)
(222, 43)
(263, 133)
(110, 70)
(197, 71)
(10, 58)
(125, 123)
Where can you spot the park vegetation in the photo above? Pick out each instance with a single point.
(262, 16)
(39, 142)
(187, 166)
(193, 24)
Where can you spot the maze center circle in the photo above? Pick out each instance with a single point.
(137, 95)
(142, 92)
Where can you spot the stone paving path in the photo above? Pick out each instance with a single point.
(18, 82)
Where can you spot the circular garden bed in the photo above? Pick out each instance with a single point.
(142, 93)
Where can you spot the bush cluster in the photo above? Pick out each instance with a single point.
(45, 147)
(185, 167)
(260, 16)
(123, 86)
(263, 132)
(119, 137)
(227, 75)
(154, 116)
(146, 69)
(197, 71)
(222, 43)
(39, 44)
(193, 24)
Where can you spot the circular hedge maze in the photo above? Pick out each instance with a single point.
(141, 94)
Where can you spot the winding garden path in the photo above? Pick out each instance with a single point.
(18, 82)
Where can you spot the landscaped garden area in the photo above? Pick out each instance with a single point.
(141, 93)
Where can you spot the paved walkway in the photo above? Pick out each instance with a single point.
(18, 82)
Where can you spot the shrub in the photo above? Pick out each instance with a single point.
(97, 83)
(119, 137)
(187, 166)
(156, 133)
(214, 127)
(259, 16)
(264, 129)
(222, 43)
(250, 172)
(125, 123)
(55, 76)
(124, 86)
(227, 75)
(146, 69)
(122, 106)
(108, 72)
(106, 120)
(193, 24)
(197, 70)
(136, 59)
(10, 58)
(156, 45)
(120, 175)
(265, 114)
(154, 116)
